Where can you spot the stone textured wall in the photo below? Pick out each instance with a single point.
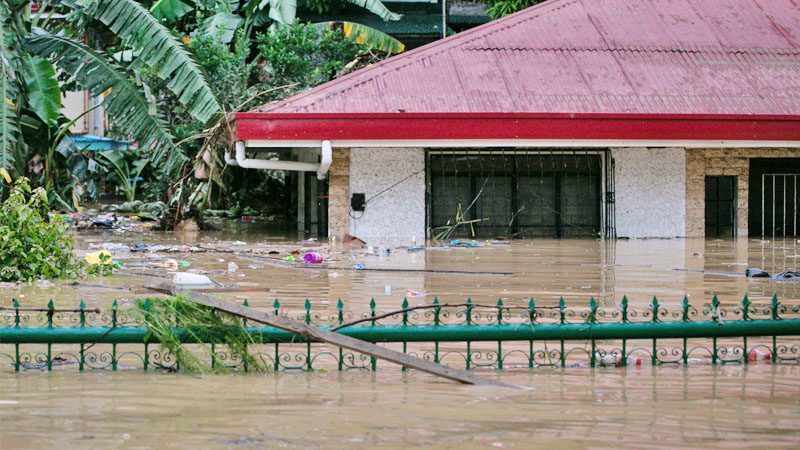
(649, 191)
(717, 162)
(396, 215)
(339, 194)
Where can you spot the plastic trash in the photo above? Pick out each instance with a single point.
(387, 290)
(105, 221)
(411, 293)
(468, 244)
(756, 355)
(383, 250)
(756, 273)
(186, 279)
(290, 258)
(101, 257)
(359, 266)
(232, 267)
(171, 264)
(185, 264)
(312, 258)
(139, 247)
(42, 284)
(115, 247)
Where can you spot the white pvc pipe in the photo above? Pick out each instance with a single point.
(325, 163)
(228, 160)
(267, 164)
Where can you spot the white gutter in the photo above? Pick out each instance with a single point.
(267, 164)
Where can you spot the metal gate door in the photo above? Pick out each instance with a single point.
(720, 206)
(515, 194)
(779, 204)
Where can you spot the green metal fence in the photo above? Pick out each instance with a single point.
(469, 335)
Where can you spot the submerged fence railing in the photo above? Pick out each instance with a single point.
(469, 335)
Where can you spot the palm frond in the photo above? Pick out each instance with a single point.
(378, 8)
(9, 92)
(44, 95)
(363, 34)
(170, 10)
(159, 49)
(126, 105)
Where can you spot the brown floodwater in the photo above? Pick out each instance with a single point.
(666, 407)
(697, 406)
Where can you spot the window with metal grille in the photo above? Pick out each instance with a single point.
(774, 203)
(515, 193)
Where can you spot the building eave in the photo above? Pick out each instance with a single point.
(696, 130)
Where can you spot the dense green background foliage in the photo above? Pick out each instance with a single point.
(32, 246)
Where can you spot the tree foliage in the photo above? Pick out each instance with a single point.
(33, 246)
(500, 8)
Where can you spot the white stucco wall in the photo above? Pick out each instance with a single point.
(650, 192)
(398, 214)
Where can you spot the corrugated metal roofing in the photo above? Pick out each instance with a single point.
(591, 56)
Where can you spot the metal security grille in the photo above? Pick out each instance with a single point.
(516, 194)
(780, 199)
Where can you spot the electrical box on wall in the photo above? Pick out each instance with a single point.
(358, 202)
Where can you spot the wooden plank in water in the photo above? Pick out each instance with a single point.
(340, 340)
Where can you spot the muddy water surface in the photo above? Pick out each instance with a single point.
(700, 406)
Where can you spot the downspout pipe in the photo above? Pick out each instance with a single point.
(325, 161)
(320, 168)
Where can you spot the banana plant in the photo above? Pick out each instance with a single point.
(123, 173)
(229, 16)
(363, 34)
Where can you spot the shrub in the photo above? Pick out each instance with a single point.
(32, 245)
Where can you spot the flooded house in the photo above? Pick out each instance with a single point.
(573, 118)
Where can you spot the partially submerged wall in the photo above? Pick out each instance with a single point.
(650, 192)
(394, 216)
(339, 193)
(723, 162)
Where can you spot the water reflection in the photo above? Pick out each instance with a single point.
(705, 406)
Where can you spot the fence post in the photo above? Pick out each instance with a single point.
(372, 360)
(145, 361)
(531, 318)
(244, 324)
(308, 344)
(436, 310)
(745, 316)
(685, 306)
(276, 363)
(114, 308)
(715, 316)
(50, 313)
(775, 316)
(624, 311)
(15, 303)
(654, 309)
(469, 322)
(500, 343)
(561, 318)
(404, 306)
(340, 320)
(592, 320)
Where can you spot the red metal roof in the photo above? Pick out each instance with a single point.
(718, 57)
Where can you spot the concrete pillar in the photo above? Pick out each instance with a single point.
(650, 192)
(339, 194)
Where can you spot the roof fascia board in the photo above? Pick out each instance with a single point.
(522, 143)
(515, 127)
